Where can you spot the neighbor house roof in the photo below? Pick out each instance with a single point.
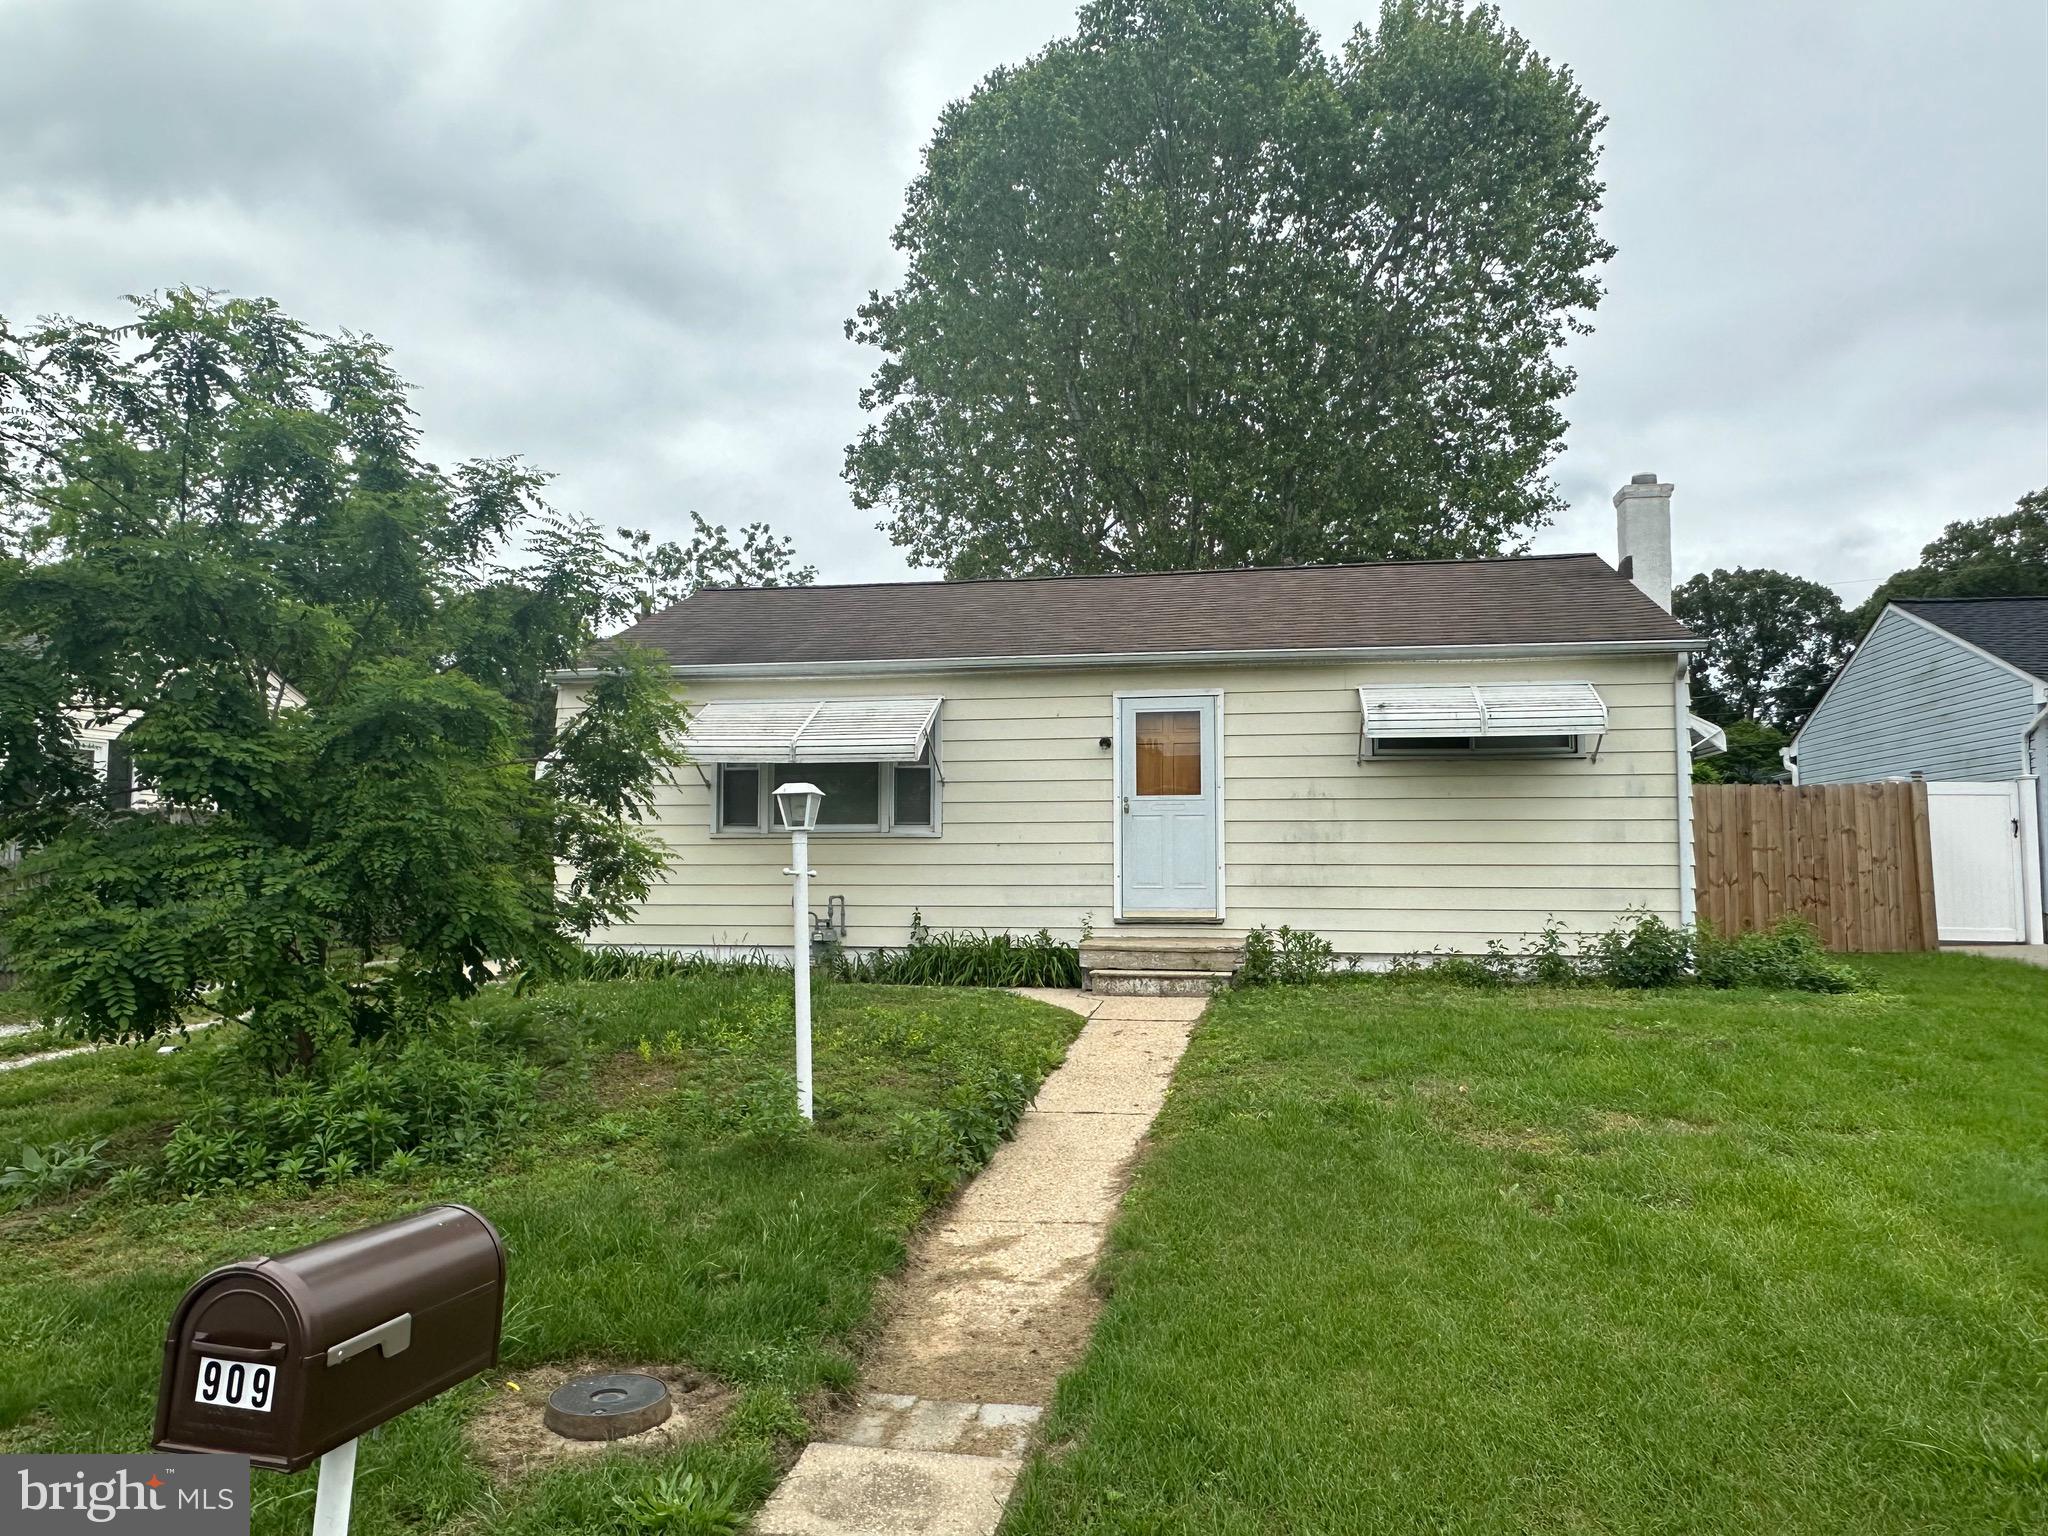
(2014, 629)
(1532, 601)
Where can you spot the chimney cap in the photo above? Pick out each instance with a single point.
(1647, 478)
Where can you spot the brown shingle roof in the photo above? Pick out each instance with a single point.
(1533, 600)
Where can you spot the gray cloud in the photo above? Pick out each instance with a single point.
(621, 240)
(1828, 317)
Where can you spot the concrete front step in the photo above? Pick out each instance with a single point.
(1156, 983)
(1131, 965)
(1127, 951)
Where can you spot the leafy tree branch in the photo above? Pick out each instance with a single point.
(333, 662)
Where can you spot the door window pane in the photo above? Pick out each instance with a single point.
(1169, 751)
(739, 796)
(913, 805)
(853, 791)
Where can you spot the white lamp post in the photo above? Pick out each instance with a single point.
(798, 805)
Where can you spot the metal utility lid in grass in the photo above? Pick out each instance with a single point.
(607, 1407)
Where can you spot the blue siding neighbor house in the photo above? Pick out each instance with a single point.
(1946, 688)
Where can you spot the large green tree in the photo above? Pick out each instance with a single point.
(1185, 290)
(1774, 642)
(332, 659)
(2004, 556)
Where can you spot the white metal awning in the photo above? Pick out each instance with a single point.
(811, 731)
(1708, 739)
(1407, 710)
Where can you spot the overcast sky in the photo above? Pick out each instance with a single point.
(620, 239)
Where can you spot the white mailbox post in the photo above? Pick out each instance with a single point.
(798, 804)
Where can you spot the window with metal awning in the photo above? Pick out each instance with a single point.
(811, 731)
(877, 760)
(1708, 739)
(1461, 719)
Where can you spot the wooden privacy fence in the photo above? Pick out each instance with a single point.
(1854, 860)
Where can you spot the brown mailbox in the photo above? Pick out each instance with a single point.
(281, 1360)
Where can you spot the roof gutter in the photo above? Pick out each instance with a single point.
(2027, 737)
(899, 666)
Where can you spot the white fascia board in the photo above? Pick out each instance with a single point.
(1450, 653)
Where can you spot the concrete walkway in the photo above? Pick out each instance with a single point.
(15, 1063)
(995, 1303)
(171, 1043)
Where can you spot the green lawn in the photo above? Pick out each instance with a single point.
(654, 1214)
(14, 1006)
(1408, 1260)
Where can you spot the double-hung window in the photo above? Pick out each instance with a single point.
(859, 797)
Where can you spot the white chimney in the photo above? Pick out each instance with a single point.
(1642, 524)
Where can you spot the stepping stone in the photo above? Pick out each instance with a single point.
(862, 1490)
(926, 1424)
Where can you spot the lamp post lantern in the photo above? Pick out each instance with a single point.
(798, 806)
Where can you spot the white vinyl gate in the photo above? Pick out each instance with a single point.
(1980, 865)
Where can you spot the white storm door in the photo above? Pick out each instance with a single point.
(1168, 802)
(1979, 868)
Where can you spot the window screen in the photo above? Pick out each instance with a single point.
(853, 791)
(913, 795)
(1504, 746)
(739, 797)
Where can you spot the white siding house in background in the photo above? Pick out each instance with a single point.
(1399, 757)
(1950, 689)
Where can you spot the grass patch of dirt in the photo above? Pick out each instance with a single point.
(508, 1438)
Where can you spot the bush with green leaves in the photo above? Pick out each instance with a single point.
(1285, 956)
(945, 1145)
(1786, 957)
(1643, 952)
(389, 1108)
(613, 962)
(961, 959)
(759, 1106)
(1547, 961)
(57, 1169)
